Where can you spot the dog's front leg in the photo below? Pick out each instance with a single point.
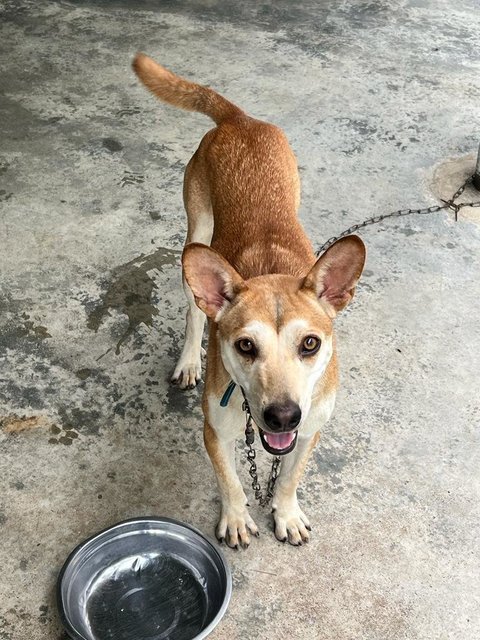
(290, 522)
(235, 522)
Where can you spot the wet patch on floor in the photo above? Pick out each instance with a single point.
(79, 419)
(62, 436)
(112, 145)
(83, 374)
(183, 402)
(19, 330)
(29, 329)
(131, 291)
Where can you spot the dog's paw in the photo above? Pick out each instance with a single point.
(187, 374)
(235, 527)
(291, 525)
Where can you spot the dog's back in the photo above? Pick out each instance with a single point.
(252, 177)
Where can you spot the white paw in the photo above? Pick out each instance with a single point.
(187, 374)
(235, 526)
(291, 524)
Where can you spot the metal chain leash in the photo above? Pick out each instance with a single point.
(263, 499)
(448, 204)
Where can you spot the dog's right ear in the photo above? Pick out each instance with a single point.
(213, 281)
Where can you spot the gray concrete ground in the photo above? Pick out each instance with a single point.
(372, 96)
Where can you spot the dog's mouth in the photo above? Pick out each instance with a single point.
(278, 444)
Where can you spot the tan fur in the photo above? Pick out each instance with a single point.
(260, 281)
(182, 93)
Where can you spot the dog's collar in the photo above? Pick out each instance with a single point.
(228, 394)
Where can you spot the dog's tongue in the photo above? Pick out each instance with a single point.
(279, 440)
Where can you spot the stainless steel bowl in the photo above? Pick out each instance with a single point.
(144, 579)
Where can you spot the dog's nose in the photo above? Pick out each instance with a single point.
(282, 417)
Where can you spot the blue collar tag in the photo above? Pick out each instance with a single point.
(228, 393)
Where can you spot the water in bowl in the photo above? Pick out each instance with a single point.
(147, 598)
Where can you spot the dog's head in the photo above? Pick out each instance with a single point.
(275, 331)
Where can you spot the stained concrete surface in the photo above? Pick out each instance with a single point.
(446, 178)
(372, 95)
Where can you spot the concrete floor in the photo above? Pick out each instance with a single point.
(372, 96)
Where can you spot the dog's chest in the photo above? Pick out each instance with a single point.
(320, 413)
(229, 421)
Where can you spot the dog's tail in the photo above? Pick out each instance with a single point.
(182, 93)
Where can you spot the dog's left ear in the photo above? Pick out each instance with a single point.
(335, 274)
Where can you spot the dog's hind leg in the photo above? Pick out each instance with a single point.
(196, 197)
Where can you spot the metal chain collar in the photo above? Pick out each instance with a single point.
(265, 498)
(448, 204)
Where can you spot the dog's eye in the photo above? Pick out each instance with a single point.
(246, 347)
(310, 345)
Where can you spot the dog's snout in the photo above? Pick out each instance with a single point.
(282, 417)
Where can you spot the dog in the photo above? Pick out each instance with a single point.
(250, 268)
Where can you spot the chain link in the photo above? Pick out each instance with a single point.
(461, 189)
(448, 204)
(263, 498)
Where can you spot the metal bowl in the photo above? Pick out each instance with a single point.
(144, 579)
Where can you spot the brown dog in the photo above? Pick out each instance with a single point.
(270, 303)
